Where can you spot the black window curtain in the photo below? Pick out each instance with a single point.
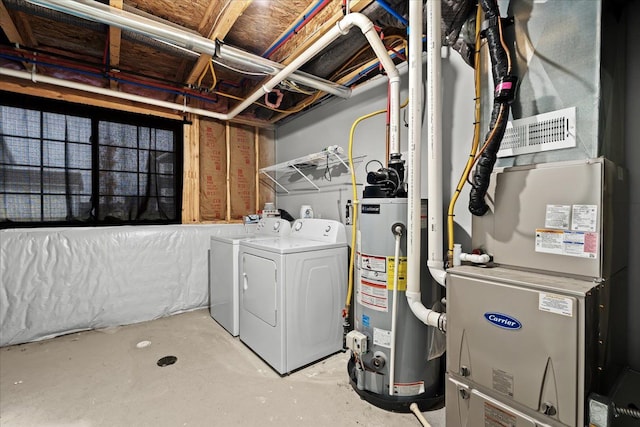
(70, 167)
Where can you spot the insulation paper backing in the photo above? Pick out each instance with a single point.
(62, 280)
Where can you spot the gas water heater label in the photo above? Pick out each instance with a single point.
(555, 304)
(382, 337)
(408, 389)
(373, 267)
(402, 273)
(374, 295)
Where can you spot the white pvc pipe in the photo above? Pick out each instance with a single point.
(415, 96)
(416, 411)
(413, 293)
(271, 67)
(341, 28)
(98, 12)
(435, 260)
(39, 78)
(394, 312)
(475, 258)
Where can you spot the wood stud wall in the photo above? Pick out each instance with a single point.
(221, 163)
(246, 147)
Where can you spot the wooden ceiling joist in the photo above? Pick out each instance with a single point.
(17, 32)
(115, 38)
(216, 28)
(9, 27)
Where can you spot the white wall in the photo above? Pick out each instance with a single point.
(330, 124)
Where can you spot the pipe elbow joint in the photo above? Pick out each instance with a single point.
(436, 268)
(393, 75)
(357, 19)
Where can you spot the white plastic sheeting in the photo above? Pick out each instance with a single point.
(56, 281)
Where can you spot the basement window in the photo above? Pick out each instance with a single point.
(61, 164)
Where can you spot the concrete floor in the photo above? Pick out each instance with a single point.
(102, 378)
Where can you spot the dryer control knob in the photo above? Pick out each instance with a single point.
(298, 226)
(276, 225)
(328, 229)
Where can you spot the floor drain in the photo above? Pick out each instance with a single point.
(167, 360)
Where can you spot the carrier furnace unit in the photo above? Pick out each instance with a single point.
(529, 340)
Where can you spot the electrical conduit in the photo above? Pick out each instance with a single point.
(434, 262)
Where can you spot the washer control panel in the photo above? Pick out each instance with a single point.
(324, 230)
(273, 227)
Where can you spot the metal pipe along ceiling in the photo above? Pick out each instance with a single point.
(95, 11)
(98, 12)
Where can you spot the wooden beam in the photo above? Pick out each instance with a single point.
(256, 172)
(78, 97)
(9, 27)
(115, 38)
(228, 183)
(24, 27)
(216, 28)
(191, 172)
(18, 32)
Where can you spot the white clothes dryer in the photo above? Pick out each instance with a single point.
(224, 290)
(293, 292)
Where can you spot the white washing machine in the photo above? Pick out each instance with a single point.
(224, 290)
(293, 292)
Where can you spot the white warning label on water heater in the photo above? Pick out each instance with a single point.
(408, 389)
(382, 337)
(373, 295)
(373, 267)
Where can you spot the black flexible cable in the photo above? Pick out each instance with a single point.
(500, 112)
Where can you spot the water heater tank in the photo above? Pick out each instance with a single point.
(418, 368)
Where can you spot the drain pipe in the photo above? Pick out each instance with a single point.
(413, 294)
(98, 12)
(435, 258)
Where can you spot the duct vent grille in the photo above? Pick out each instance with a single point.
(543, 132)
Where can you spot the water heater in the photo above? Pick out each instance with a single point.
(393, 364)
